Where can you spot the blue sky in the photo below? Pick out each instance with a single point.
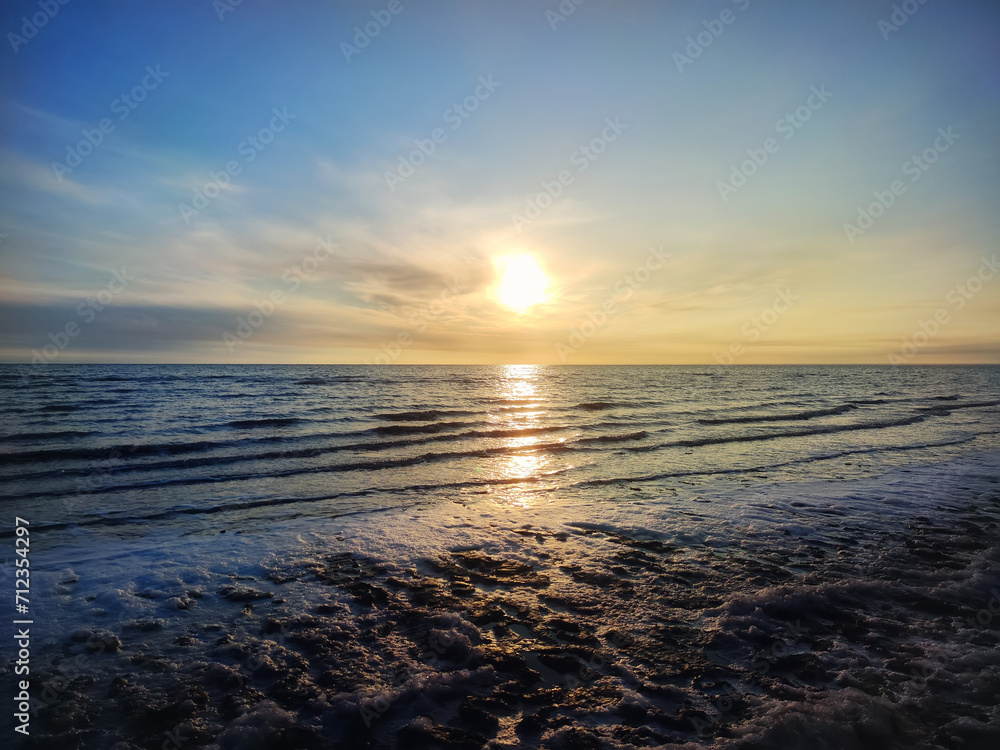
(419, 259)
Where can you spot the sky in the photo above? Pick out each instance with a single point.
(528, 181)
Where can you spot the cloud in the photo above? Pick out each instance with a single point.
(20, 173)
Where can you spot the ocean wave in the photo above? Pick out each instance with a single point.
(597, 406)
(330, 380)
(264, 422)
(942, 410)
(639, 435)
(54, 435)
(514, 432)
(263, 502)
(349, 466)
(427, 434)
(788, 417)
(412, 429)
(422, 416)
(111, 452)
(638, 479)
(60, 408)
(826, 430)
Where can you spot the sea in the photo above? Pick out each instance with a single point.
(320, 556)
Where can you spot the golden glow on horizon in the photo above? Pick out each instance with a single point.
(523, 282)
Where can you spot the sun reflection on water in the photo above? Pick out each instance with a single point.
(521, 407)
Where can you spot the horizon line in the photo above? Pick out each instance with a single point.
(506, 364)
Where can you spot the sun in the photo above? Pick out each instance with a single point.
(523, 282)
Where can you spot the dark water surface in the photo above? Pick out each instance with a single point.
(96, 444)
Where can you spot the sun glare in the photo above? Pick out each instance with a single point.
(523, 283)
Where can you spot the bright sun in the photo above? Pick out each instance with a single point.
(523, 282)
